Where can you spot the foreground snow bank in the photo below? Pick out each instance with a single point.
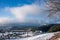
(37, 37)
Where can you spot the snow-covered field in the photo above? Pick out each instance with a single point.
(45, 36)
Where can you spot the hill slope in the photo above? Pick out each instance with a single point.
(54, 28)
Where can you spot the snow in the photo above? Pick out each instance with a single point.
(58, 39)
(37, 37)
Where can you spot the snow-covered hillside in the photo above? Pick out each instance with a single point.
(37, 37)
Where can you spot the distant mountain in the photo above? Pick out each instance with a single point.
(18, 26)
(43, 28)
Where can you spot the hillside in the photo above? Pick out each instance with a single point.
(54, 28)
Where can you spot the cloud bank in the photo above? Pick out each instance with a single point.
(32, 13)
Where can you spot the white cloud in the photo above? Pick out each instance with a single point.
(4, 19)
(21, 12)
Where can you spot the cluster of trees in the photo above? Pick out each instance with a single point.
(43, 28)
(48, 28)
(54, 28)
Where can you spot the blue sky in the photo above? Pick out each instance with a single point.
(14, 3)
(26, 11)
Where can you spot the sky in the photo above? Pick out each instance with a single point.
(26, 11)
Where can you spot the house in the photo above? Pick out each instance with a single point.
(38, 32)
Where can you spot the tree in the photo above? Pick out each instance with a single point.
(54, 6)
(54, 28)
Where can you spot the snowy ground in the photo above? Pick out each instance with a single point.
(37, 37)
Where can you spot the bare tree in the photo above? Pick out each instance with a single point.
(54, 5)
